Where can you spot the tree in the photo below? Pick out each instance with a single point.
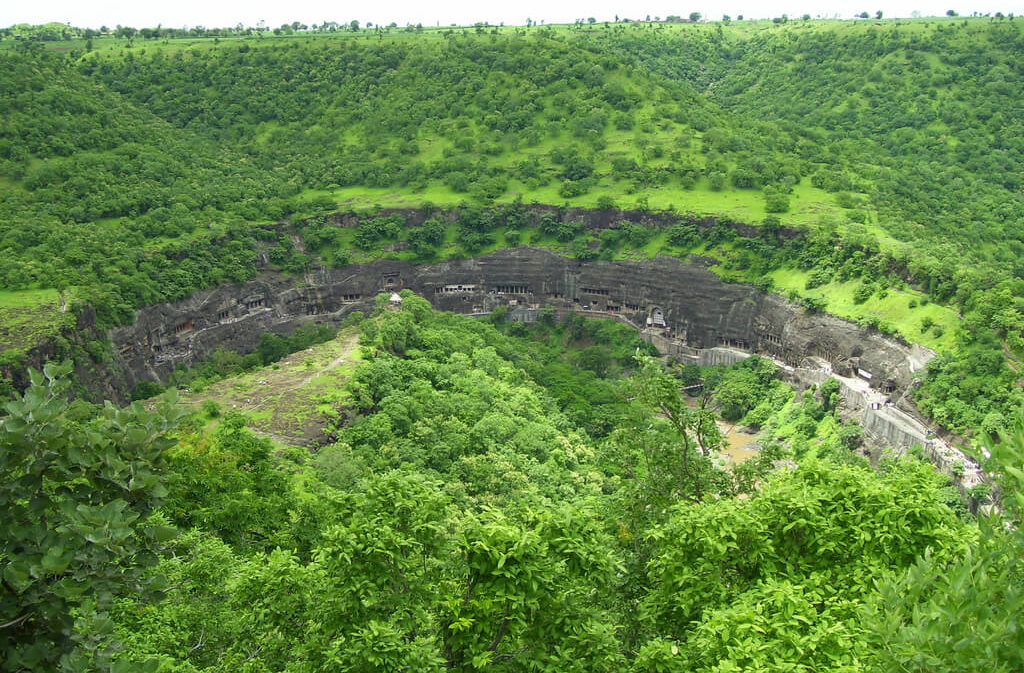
(383, 570)
(353, 25)
(748, 584)
(829, 391)
(694, 17)
(737, 395)
(426, 238)
(851, 436)
(951, 12)
(744, 385)
(680, 469)
(965, 608)
(527, 593)
(776, 201)
(79, 518)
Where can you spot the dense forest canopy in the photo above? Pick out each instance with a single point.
(909, 128)
(139, 168)
(476, 494)
(494, 498)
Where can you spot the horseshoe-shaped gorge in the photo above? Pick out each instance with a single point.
(406, 288)
(683, 309)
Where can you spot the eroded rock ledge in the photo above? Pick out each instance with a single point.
(695, 307)
(684, 309)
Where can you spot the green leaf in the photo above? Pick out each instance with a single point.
(137, 436)
(161, 533)
(126, 666)
(482, 659)
(55, 560)
(17, 577)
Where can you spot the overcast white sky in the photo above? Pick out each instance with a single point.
(216, 13)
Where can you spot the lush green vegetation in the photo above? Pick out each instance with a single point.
(486, 495)
(468, 518)
(138, 166)
(916, 120)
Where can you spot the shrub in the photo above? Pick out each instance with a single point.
(573, 188)
(776, 202)
(814, 304)
(682, 235)
(146, 389)
(863, 293)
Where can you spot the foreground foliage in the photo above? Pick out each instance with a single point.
(463, 521)
(80, 526)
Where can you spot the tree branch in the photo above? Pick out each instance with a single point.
(15, 622)
(501, 634)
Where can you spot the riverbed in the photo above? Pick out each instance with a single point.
(740, 446)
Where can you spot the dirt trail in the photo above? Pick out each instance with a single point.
(279, 393)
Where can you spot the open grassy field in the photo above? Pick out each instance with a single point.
(809, 205)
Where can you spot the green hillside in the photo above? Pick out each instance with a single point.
(426, 491)
(141, 166)
(924, 118)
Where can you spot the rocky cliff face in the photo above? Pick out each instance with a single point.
(682, 308)
(685, 302)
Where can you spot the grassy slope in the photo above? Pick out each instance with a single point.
(809, 205)
(894, 308)
(28, 317)
(291, 401)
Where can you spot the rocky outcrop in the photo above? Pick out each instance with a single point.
(682, 308)
(594, 220)
(886, 425)
(686, 311)
(687, 304)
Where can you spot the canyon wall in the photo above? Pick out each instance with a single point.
(686, 311)
(686, 303)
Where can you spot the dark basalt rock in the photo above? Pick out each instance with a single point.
(682, 308)
(695, 306)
